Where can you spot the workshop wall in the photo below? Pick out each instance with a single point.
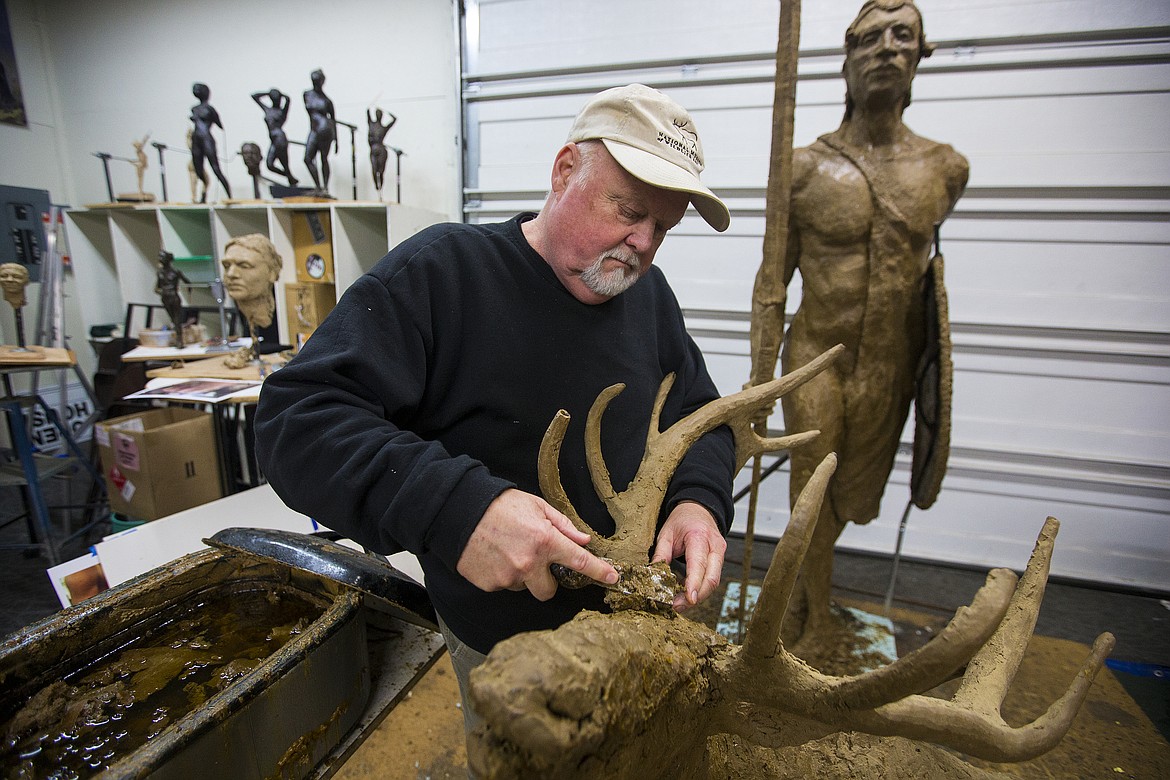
(1057, 256)
(100, 74)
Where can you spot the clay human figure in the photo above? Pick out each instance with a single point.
(167, 288)
(322, 130)
(203, 143)
(275, 114)
(251, 266)
(866, 199)
(140, 163)
(378, 151)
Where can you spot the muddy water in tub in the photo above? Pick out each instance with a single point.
(77, 726)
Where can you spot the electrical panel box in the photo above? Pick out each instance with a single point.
(25, 212)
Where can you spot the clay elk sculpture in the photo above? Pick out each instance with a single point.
(638, 695)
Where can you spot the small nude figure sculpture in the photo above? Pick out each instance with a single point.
(866, 200)
(203, 142)
(140, 164)
(322, 130)
(251, 266)
(167, 288)
(275, 114)
(378, 151)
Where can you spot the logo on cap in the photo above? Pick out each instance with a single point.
(686, 143)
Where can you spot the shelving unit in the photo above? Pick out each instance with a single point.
(116, 249)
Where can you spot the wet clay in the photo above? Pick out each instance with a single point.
(105, 711)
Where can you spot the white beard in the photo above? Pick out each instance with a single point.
(615, 282)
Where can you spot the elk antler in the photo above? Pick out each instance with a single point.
(886, 701)
(635, 510)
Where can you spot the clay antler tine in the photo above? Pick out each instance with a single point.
(978, 734)
(549, 473)
(748, 443)
(932, 663)
(992, 669)
(594, 459)
(771, 604)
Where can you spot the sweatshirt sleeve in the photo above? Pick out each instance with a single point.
(706, 472)
(329, 440)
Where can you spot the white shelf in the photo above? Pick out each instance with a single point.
(117, 248)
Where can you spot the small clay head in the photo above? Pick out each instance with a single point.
(274, 95)
(201, 91)
(13, 280)
(318, 78)
(251, 154)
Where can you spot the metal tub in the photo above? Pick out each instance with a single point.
(278, 720)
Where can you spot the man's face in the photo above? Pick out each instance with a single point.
(885, 58)
(610, 227)
(245, 274)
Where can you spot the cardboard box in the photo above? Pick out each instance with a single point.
(159, 462)
(313, 246)
(306, 305)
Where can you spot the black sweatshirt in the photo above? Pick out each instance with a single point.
(427, 390)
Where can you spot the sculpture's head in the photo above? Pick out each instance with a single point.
(251, 265)
(251, 154)
(318, 78)
(883, 46)
(201, 91)
(13, 280)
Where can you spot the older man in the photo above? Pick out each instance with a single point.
(414, 415)
(865, 202)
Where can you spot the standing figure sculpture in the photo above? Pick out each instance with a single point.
(251, 266)
(322, 130)
(140, 165)
(275, 114)
(167, 288)
(13, 280)
(203, 142)
(866, 201)
(378, 151)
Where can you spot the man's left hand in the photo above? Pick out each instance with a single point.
(691, 531)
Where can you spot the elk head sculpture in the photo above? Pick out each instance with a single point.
(634, 694)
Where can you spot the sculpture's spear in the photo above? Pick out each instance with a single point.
(776, 210)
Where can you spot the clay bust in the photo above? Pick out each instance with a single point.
(13, 280)
(251, 266)
(866, 199)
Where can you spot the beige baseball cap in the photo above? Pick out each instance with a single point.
(654, 139)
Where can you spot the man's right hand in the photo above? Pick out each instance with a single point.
(518, 538)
